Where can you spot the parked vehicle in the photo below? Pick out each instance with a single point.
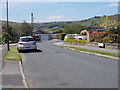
(26, 43)
(75, 36)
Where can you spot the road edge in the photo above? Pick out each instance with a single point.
(23, 76)
(96, 54)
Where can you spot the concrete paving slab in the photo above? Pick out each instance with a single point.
(11, 75)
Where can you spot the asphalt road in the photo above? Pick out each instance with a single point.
(55, 67)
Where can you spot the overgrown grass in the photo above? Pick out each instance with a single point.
(13, 54)
(93, 51)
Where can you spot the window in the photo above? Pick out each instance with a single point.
(27, 39)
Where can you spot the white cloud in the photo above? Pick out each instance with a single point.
(112, 5)
(53, 18)
(56, 18)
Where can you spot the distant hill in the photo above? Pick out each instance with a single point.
(2, 22)
(96, 20)
(116, 16)
(51, 25)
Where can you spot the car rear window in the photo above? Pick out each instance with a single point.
(27, 39)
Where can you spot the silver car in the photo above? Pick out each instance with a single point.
(75, 36)
(26, 43)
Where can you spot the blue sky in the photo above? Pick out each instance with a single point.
(57, 11)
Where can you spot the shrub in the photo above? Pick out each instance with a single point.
(98, 36)
(76, 41)
(115, 38)
(79, 41)
(106, 40)
(104, 37)
(62, 35)
(83, 41)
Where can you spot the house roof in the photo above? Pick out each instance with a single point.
(39, 31)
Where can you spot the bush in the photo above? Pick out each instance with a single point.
(104, 37)
(76, 41)
(97, 36)
(62, 35)
(115, 38)
(106, 40)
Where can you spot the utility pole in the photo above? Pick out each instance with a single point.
(8, 46)
(32, 20)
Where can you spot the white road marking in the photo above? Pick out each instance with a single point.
(23, 76)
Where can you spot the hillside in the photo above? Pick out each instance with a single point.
(2, 22)
(51, 26)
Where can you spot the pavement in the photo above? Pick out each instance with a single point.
(10, 72)
(92, 48)
(11, 75)
(88, 47)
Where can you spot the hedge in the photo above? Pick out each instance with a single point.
(104, 37)
(76, 41)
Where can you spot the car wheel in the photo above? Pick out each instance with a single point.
(80, 38)
(19, 51)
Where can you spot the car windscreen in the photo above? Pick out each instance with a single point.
(27, 39)
(31, 39)
(80, 35)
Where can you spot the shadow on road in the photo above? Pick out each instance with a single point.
(31, 51)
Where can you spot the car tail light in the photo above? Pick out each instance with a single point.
(20, 43)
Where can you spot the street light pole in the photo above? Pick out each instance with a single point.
(32, 20)
(8, 47)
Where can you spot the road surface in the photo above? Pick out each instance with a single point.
(55, 67)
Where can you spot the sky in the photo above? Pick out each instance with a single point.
(57, 11)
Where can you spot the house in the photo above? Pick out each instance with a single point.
(38, 31)
(95, 29)
(40, 35)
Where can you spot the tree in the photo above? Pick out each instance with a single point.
(25, 28)
(110, 24)
(5, 35)
(10, 33)
(73, 28)
(56, 30)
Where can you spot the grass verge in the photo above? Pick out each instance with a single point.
(13, 54)
(93, 51)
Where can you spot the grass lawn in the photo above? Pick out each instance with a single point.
(13, 54)
(94, 51)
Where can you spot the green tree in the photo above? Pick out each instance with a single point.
(5, 35)
(73, 28)
(110, 24)
(10, 32)
(25, 28)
